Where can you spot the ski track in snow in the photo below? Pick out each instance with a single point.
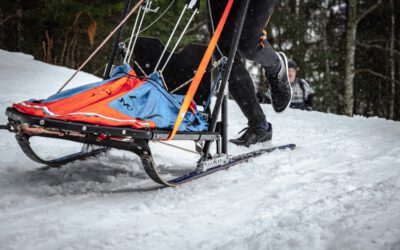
(339, 189)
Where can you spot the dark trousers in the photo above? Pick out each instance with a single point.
(241, 85)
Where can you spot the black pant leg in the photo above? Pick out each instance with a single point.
(259, 13)
(243, 92)
(241, 85)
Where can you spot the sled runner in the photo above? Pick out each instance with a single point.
(134, 106)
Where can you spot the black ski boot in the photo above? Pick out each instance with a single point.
(281, 91)
(253, 135)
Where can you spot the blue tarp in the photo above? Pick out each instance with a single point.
(148, 102)
(151, 101)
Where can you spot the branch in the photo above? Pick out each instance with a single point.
(374, 73)
(375, 46)
(375, 41)
(2, 22)
(372, 8)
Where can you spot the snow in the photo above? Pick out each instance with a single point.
(339, 189)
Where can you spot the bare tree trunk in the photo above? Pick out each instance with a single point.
(48, 49)
(328, 93)
(351, 39)
(66, 43)
(20, 35)
(397, 102)
(392, 62)
(297, 10)
(1, 28)
(4, 20)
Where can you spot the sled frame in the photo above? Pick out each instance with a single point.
(137, 140)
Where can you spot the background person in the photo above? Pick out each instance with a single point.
(303, 93)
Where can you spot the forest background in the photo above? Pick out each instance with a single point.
(349, 50)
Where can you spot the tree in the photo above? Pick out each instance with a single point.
(353, 19)
(392, 61)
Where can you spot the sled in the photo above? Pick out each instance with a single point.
(181, 71)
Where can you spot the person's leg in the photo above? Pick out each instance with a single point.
(241, 85)
(259, 14)
(243, 92)
(275, 64)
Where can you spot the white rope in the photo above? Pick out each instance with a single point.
(179, 39)
(155, 21)
(102, 44)
(140, 68)
(133, 32)
(216, 64)
(213, 26)
(170, 38)
(177, 147)
(148, 6)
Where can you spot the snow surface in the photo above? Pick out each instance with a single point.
(338, 190)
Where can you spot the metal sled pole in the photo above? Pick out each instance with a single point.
(240, 18)
(116, 43)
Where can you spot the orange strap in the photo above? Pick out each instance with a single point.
(263, 37)
(200, 70)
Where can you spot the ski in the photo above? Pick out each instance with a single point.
(5, 127)
(200, 172)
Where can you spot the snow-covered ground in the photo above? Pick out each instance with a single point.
(338, 190)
